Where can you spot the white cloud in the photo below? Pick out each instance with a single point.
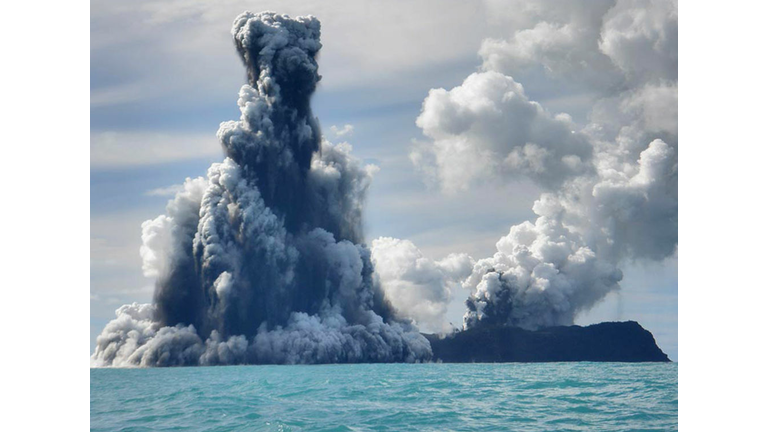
(340, 132)
(601, 45)
(115, 264)
(488, 128)
(419, 288)
(559, 37)
(640, 37)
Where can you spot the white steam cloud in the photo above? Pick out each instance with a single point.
(610, 186)
(487, 127)
(418, 287)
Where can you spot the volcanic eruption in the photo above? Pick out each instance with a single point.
(262, 261)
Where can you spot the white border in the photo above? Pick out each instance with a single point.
(722, 290)
(45, 215)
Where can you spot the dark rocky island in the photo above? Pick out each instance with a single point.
(605, 342)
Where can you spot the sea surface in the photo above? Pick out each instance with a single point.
(389, 397)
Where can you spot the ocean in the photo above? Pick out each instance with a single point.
(389, 397)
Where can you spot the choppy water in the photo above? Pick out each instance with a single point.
(389, 397)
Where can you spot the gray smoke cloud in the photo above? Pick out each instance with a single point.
(262, 260)
(610, 187)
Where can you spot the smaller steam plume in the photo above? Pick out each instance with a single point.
(609, 189)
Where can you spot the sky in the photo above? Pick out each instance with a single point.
(165, 74)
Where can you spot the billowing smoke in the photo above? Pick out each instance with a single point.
(418, 287)
(609, 188)
(262, 261)
(488, 128)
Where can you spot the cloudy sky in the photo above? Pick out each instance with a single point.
(164, 74)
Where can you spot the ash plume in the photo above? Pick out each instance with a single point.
(609, 188)
(262, 261)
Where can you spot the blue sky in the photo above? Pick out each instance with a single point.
(164, 75)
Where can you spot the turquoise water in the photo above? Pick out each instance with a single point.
(389, 397)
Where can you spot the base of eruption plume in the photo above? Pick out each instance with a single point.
(310, 340)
